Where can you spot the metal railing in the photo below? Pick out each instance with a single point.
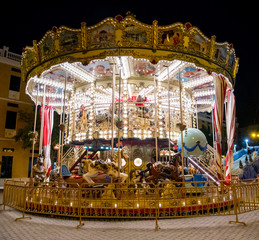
(71, 155)
(10, 55)
(140, 200)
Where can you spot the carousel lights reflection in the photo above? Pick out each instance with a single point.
(78, 72)
(204, 101)
(47, 94)
(52, 83)
(198, 81)
(173, 68)
(101, 147)
(193, 162)
(202, 93)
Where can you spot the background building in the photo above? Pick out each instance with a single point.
(14, 159)
(205, 124)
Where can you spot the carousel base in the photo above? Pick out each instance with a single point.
(198, 210)
(123, 202)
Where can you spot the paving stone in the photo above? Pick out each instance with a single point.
(40, 227)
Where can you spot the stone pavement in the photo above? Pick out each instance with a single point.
(40, 227)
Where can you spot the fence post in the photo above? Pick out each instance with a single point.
(79, 208)
(24, 205)
(3, 203)
(157, 206)
(234, 189)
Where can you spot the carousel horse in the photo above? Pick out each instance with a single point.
(93, 168)
(39, 170)
(97, 171)
(76, 180)
(159, 172)
(141, 174)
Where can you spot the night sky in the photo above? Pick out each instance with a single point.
(232, 21)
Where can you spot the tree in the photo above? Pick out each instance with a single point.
(22, 134)
(28, 119)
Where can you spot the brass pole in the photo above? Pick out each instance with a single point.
(155, 103)
(59, 137)
(63, 120)
(112, 119)
(197, 117)
(119, 117)
(34, 128)
(169, 117)
(213, 132)
(181, 118)
(42, 120)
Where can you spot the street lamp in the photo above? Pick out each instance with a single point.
(255, 134)
(246, 140)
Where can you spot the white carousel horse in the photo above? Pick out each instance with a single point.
(109, 168)
(39, 170)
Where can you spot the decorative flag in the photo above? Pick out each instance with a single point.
(231, 127)
(220, 93)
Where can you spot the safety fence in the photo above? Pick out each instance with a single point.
(138, 201)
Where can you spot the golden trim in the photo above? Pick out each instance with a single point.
(128, 36)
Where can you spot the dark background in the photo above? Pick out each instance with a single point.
(232, 21)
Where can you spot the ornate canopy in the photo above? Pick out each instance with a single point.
(129, 37)
(75, 69)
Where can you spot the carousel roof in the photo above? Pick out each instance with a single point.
(134, 50)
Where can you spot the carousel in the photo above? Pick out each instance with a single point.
(128, 95)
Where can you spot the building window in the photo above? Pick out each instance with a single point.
(10, 122)
(12, 105)
(16, 70)
(34, 162)
(8, 149)
(35, 151)
(7, 166)
(15, 83)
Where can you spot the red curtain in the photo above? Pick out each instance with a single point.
(47, 130)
